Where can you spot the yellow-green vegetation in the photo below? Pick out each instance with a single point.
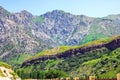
(18, 59)
(61, 49)
(101, 62)
(1, 73)
(106, 66)
(100, 41)
(6, 69)
(14, 75)
(91, 62)
(41, 74)
(52, 63)
(5, 65)
(94, 34)
(54, 51)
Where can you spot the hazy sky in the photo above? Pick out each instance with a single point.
(94, 8)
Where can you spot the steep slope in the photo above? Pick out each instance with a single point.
(67, 29)
(108, 65)
(65, 51)
(15, 39)
(6, 73)
(103, 27)
(95, 58)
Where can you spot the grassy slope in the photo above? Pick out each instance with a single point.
(2, 64)
(19, 58)
(94, 33)
(101, 62)
(54, 51)
(5, 65)
(1, 74)
(61, 49)
(106, 66)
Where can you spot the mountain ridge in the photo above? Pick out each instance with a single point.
(26, 33)
(110, 44)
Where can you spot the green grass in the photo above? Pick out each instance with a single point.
(2, 64)
(5, 65)
(51, 63)
(100, 41)
(91, 37)
(54, 51)
(106, 62)
(18, 59)
(91, 62)
(1, 73)
(109, 74)
(14, 74)
(94, 33)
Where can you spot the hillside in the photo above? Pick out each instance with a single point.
(23, 33)
(99, 58)
(71, 50)
(6, 73)
(15, 39)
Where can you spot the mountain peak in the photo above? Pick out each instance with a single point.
(58, 11)
(25, 13)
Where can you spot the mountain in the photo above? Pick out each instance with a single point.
(99, 58)
(6, 73)
(24, 35)
(15, 38)
(67, 29)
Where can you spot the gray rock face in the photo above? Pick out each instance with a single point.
(15, 37)
(65, 28)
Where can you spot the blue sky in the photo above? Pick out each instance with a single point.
(94, 8)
